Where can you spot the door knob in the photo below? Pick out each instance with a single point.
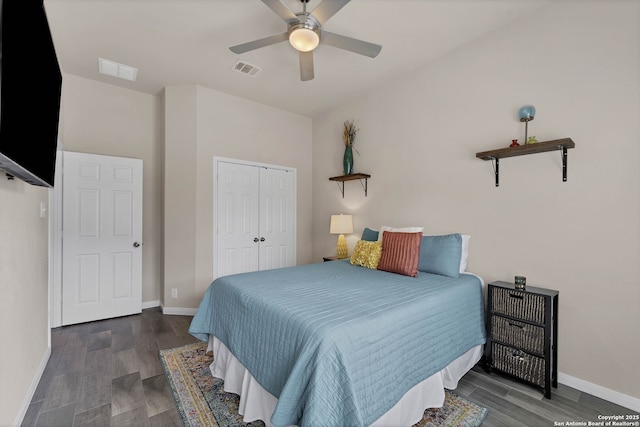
(136, 244)
(262, 239)
(255, 239)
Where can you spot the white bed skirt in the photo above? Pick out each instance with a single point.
(258, 404)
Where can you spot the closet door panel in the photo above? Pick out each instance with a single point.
(277, 218)
(237, 218)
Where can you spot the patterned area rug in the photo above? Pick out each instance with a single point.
(201, 400)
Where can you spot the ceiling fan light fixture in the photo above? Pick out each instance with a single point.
(304, 32)
(304, 39)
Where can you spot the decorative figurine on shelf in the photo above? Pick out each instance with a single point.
(531, 140)
(514, 143)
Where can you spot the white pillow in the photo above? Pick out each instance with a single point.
(398, 230)
(465, 252)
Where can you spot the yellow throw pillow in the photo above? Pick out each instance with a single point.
(367, 254)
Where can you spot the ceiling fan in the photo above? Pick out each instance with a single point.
(304, 32)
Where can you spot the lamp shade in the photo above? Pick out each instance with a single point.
(341, 224)
(527, 113)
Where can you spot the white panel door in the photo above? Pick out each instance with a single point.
(277, 218)
(255, 217)
(237, 218)
(102, 237)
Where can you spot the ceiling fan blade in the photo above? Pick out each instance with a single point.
(354, 45)
(326, 9)
(281, 10)
(306, 66)
(257, 44)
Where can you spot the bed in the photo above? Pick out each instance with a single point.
(337, 344)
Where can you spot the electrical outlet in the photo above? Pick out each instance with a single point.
(174, 293)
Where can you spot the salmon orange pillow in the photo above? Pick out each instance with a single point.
(400, 253)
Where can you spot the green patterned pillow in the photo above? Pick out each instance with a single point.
(367, 254)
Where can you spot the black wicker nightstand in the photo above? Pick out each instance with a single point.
(523, 333)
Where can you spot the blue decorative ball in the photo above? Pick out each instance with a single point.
(527, 112)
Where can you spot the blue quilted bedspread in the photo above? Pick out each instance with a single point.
(337, 344)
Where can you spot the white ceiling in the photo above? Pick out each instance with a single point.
(186, 42)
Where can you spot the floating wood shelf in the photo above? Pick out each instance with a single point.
(352, 177)
(522, 150)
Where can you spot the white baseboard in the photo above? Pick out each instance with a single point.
(151, 304)
(32, 388)
(176, 311)
(179, 311)
(601, 392)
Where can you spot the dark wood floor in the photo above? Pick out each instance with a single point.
(109, 373)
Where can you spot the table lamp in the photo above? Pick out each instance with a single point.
(341, 224)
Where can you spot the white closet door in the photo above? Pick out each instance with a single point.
(237, 218)
(277, 218)
(255, 217)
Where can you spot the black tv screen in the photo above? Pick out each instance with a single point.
(30, 87)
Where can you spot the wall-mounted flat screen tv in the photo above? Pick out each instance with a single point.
(30, 87)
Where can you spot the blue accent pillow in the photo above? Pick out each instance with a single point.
(441, 254)
(369, 235)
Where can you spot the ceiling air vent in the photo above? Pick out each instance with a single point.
(114, 69)
(246, 68)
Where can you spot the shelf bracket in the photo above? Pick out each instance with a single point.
(364, 186)
(564, 163)
(495, 162)
(561, 145)
(352, 177)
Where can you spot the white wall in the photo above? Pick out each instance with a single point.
(24, 306)
(199, 123)
(203, 123)
(579, 64)
(108, 120)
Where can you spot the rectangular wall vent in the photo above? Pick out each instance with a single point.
(246, 68)
(115, 69)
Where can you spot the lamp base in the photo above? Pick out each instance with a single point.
(342, 250)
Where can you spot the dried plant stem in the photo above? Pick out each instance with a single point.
(349, 133)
